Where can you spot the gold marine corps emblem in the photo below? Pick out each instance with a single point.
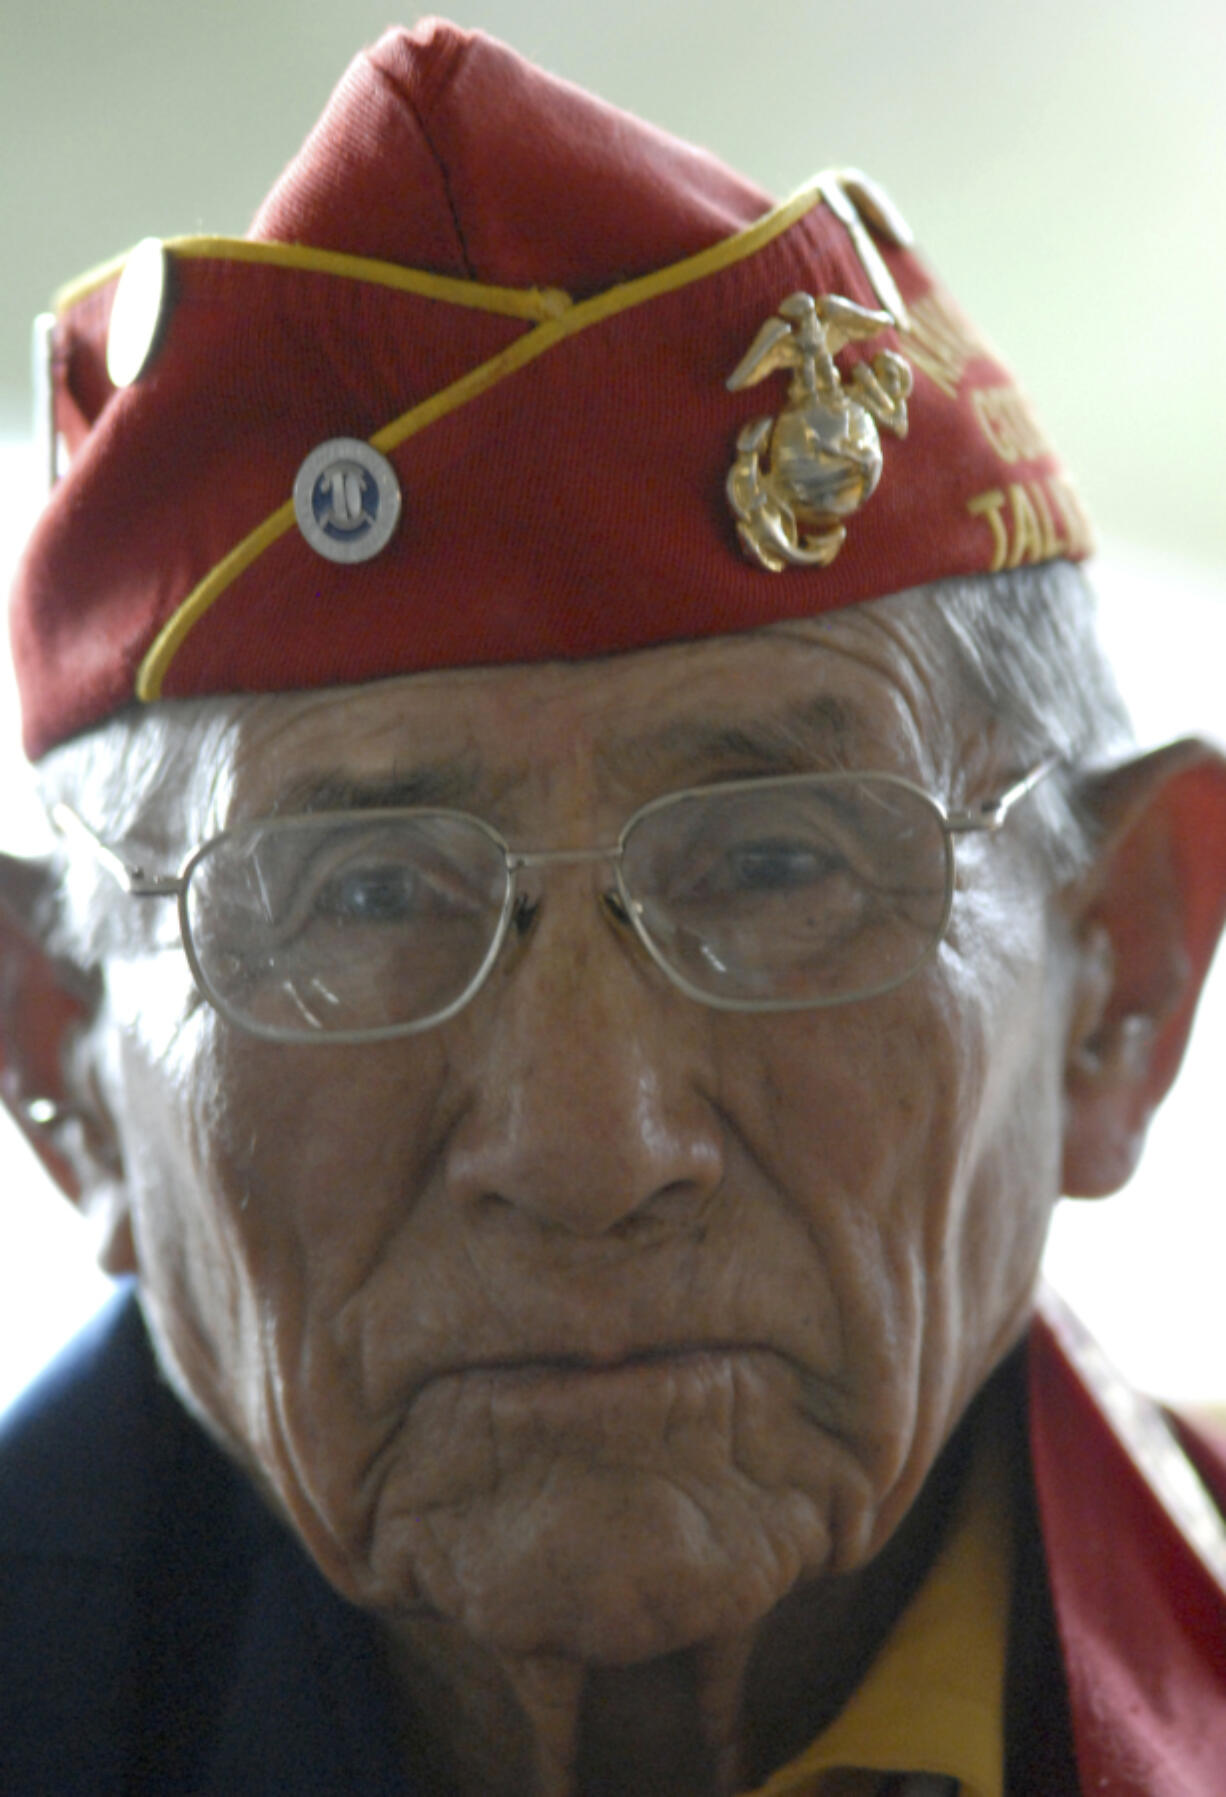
(798, 475)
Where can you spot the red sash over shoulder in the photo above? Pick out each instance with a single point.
(1136, 1549)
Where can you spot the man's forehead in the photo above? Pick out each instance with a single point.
(781, 699)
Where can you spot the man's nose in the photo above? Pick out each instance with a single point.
(591, 1104)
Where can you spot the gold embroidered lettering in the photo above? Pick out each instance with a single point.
(1026, 521)
(990, 506)
(1077, 525)
(1006, 420)
(1027, 544)
(940, 340)
(1053, 542)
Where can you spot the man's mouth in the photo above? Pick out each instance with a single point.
(606, 1372)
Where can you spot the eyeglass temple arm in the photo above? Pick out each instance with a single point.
(133, 880)
(992, 814)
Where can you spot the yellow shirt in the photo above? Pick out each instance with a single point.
(933, 1699)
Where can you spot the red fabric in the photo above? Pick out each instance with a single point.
(517, 179)
(575, 509)
(1142, 1623)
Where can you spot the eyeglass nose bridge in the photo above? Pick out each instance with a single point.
(525, 858)
(615, 898)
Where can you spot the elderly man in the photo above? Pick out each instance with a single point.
(602, 892)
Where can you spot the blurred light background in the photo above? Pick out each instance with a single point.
(1063, 166)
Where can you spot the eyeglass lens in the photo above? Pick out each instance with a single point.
(328, 924)
(796, 893)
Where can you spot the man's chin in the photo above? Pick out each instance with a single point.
(608, 1566)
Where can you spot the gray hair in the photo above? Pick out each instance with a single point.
(1028, 663)
(1027, 666)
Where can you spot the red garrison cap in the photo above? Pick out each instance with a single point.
(531, 305)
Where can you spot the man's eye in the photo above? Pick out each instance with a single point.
(778, 866)
(374, 895)
(758, 868)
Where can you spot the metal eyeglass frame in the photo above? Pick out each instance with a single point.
(988, 818)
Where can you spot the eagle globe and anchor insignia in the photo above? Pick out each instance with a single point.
(799, 474)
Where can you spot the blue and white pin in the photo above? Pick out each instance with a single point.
(347, 500)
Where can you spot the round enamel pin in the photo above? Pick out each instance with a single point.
(347, 500)
(138, 312)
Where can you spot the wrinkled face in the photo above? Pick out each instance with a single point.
(595, 1318)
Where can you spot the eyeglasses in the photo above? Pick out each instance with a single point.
(775, 894)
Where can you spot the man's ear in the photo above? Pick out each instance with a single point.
(46, 1008)
(1147, 919)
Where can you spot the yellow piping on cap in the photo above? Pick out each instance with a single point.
(534, 303)
(478, 380)
(81, 286)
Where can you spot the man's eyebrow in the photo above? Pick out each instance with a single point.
(445, 783)
(808, 734)
(812, 733)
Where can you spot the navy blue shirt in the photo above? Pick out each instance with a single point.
(160, 1631)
